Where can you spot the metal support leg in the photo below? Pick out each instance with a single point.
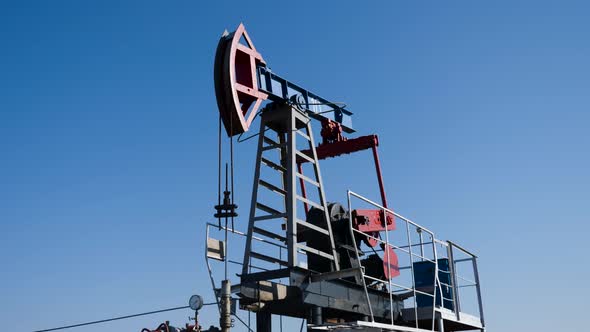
(441, 325)
(263, 321)
(316, 316)
(246, 263)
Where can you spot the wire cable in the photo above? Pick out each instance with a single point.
(219, 171)
(231, 156)
(118, 318)
(115, 318)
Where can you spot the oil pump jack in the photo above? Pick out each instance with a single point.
(336, 265)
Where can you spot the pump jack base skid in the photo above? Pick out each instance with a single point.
(339, 299)
(451, 321)
(363, 326)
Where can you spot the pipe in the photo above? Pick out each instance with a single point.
(225, 317)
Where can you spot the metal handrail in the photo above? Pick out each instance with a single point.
(465, 279)
(234, 231)
(408, 251)
(462, 249)
(390, 211)
(450, 246)
(391, 245)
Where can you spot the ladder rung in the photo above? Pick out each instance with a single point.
(303, 135)
(307, 179)
(270, 216)
(312, 226)
(273, 165)
(272, 147)
(272, 187)
(267, 208)
(269, 234)
(315, 251)
(269, 141)
(267, 258)
(304, 156)
(314, 204)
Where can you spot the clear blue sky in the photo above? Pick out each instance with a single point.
(108, 143)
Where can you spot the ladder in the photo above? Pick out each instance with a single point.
(290, 125)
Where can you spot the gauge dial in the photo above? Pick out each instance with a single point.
(195, 302)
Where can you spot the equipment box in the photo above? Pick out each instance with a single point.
(424, 280)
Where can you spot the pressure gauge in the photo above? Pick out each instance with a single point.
(195, 302)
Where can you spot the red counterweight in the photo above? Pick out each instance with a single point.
(372, 221)
(390, 263)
